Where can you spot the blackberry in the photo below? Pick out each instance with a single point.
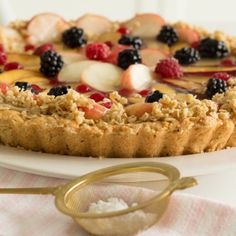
(212, 48)
(58, 91)
(214, 86)
(128, 57)
(154, 97)
(167, 35)
(187, 56)
(51, 63)
(74, 37)
(136, 42)
(23, 86)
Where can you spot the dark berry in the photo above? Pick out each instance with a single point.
(214, 86)
(23, 86)
(136, 42)
(51, 63)
(128, 57)
(74, 37)
(154, 97)
(212, 48)
(187, 56)
(168, 35)
(58, 91)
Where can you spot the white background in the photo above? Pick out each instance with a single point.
(211, 13)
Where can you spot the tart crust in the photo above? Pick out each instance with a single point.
(62, 136)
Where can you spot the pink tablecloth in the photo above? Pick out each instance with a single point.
(36, 215)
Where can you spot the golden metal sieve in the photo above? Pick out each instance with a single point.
(74, 198)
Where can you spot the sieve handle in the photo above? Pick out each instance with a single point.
(47, 190)
(183, 183)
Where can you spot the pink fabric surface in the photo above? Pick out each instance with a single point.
(187, 215)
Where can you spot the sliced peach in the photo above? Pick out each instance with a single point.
(164, 88)
(208, 70)
(187, 34)
(139, 109)
(136, 77)
(150, 57)
(45, 28)
(196, 78)
(94, 24)
(9, 77)
(145, 25)
(24, 59)
(104, 77)
(154, 44)
(188, 85)
(95, 113)
(34, 80)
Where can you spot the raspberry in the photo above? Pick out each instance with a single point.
(123, 30)
(83, 88)
(3, 58)
(44, 48)
(169, 68)
(13, 66)
(221, 75)
(97, 51)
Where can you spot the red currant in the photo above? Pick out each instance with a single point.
(12, 66)
(144, 92)
(3, 58)
(97, 97)
(107, 104)
(44, 48)
(83, 88)
(29, 47)
(125, 92)
(228, 62)
(109, 44)
(123, 30)
(2, 48)
(36, 88)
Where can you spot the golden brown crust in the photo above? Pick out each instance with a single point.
(62, 136)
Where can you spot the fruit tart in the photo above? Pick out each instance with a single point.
(137, 88)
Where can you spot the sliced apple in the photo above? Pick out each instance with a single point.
(71, 73)
(136, 77)
(145, 25)
(150, 57)
(187, 34)
(45, 28)
(94, 24)
(101, 76)
(139, 109)
(25, 59)
(95, 113)
(9, 77)
(164, 88)
(188, 85)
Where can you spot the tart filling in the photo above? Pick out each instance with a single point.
(93, 87)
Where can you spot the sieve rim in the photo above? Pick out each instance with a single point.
(171, 172)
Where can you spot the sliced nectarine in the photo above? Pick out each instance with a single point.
(44, 28)
(145, 25)
(139, 109)
(97, 112)
(136, 77)
(150, 57)
(24, 59)
(94, 24)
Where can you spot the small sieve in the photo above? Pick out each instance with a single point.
(146, 200)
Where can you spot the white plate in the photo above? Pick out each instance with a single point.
(70, 167)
